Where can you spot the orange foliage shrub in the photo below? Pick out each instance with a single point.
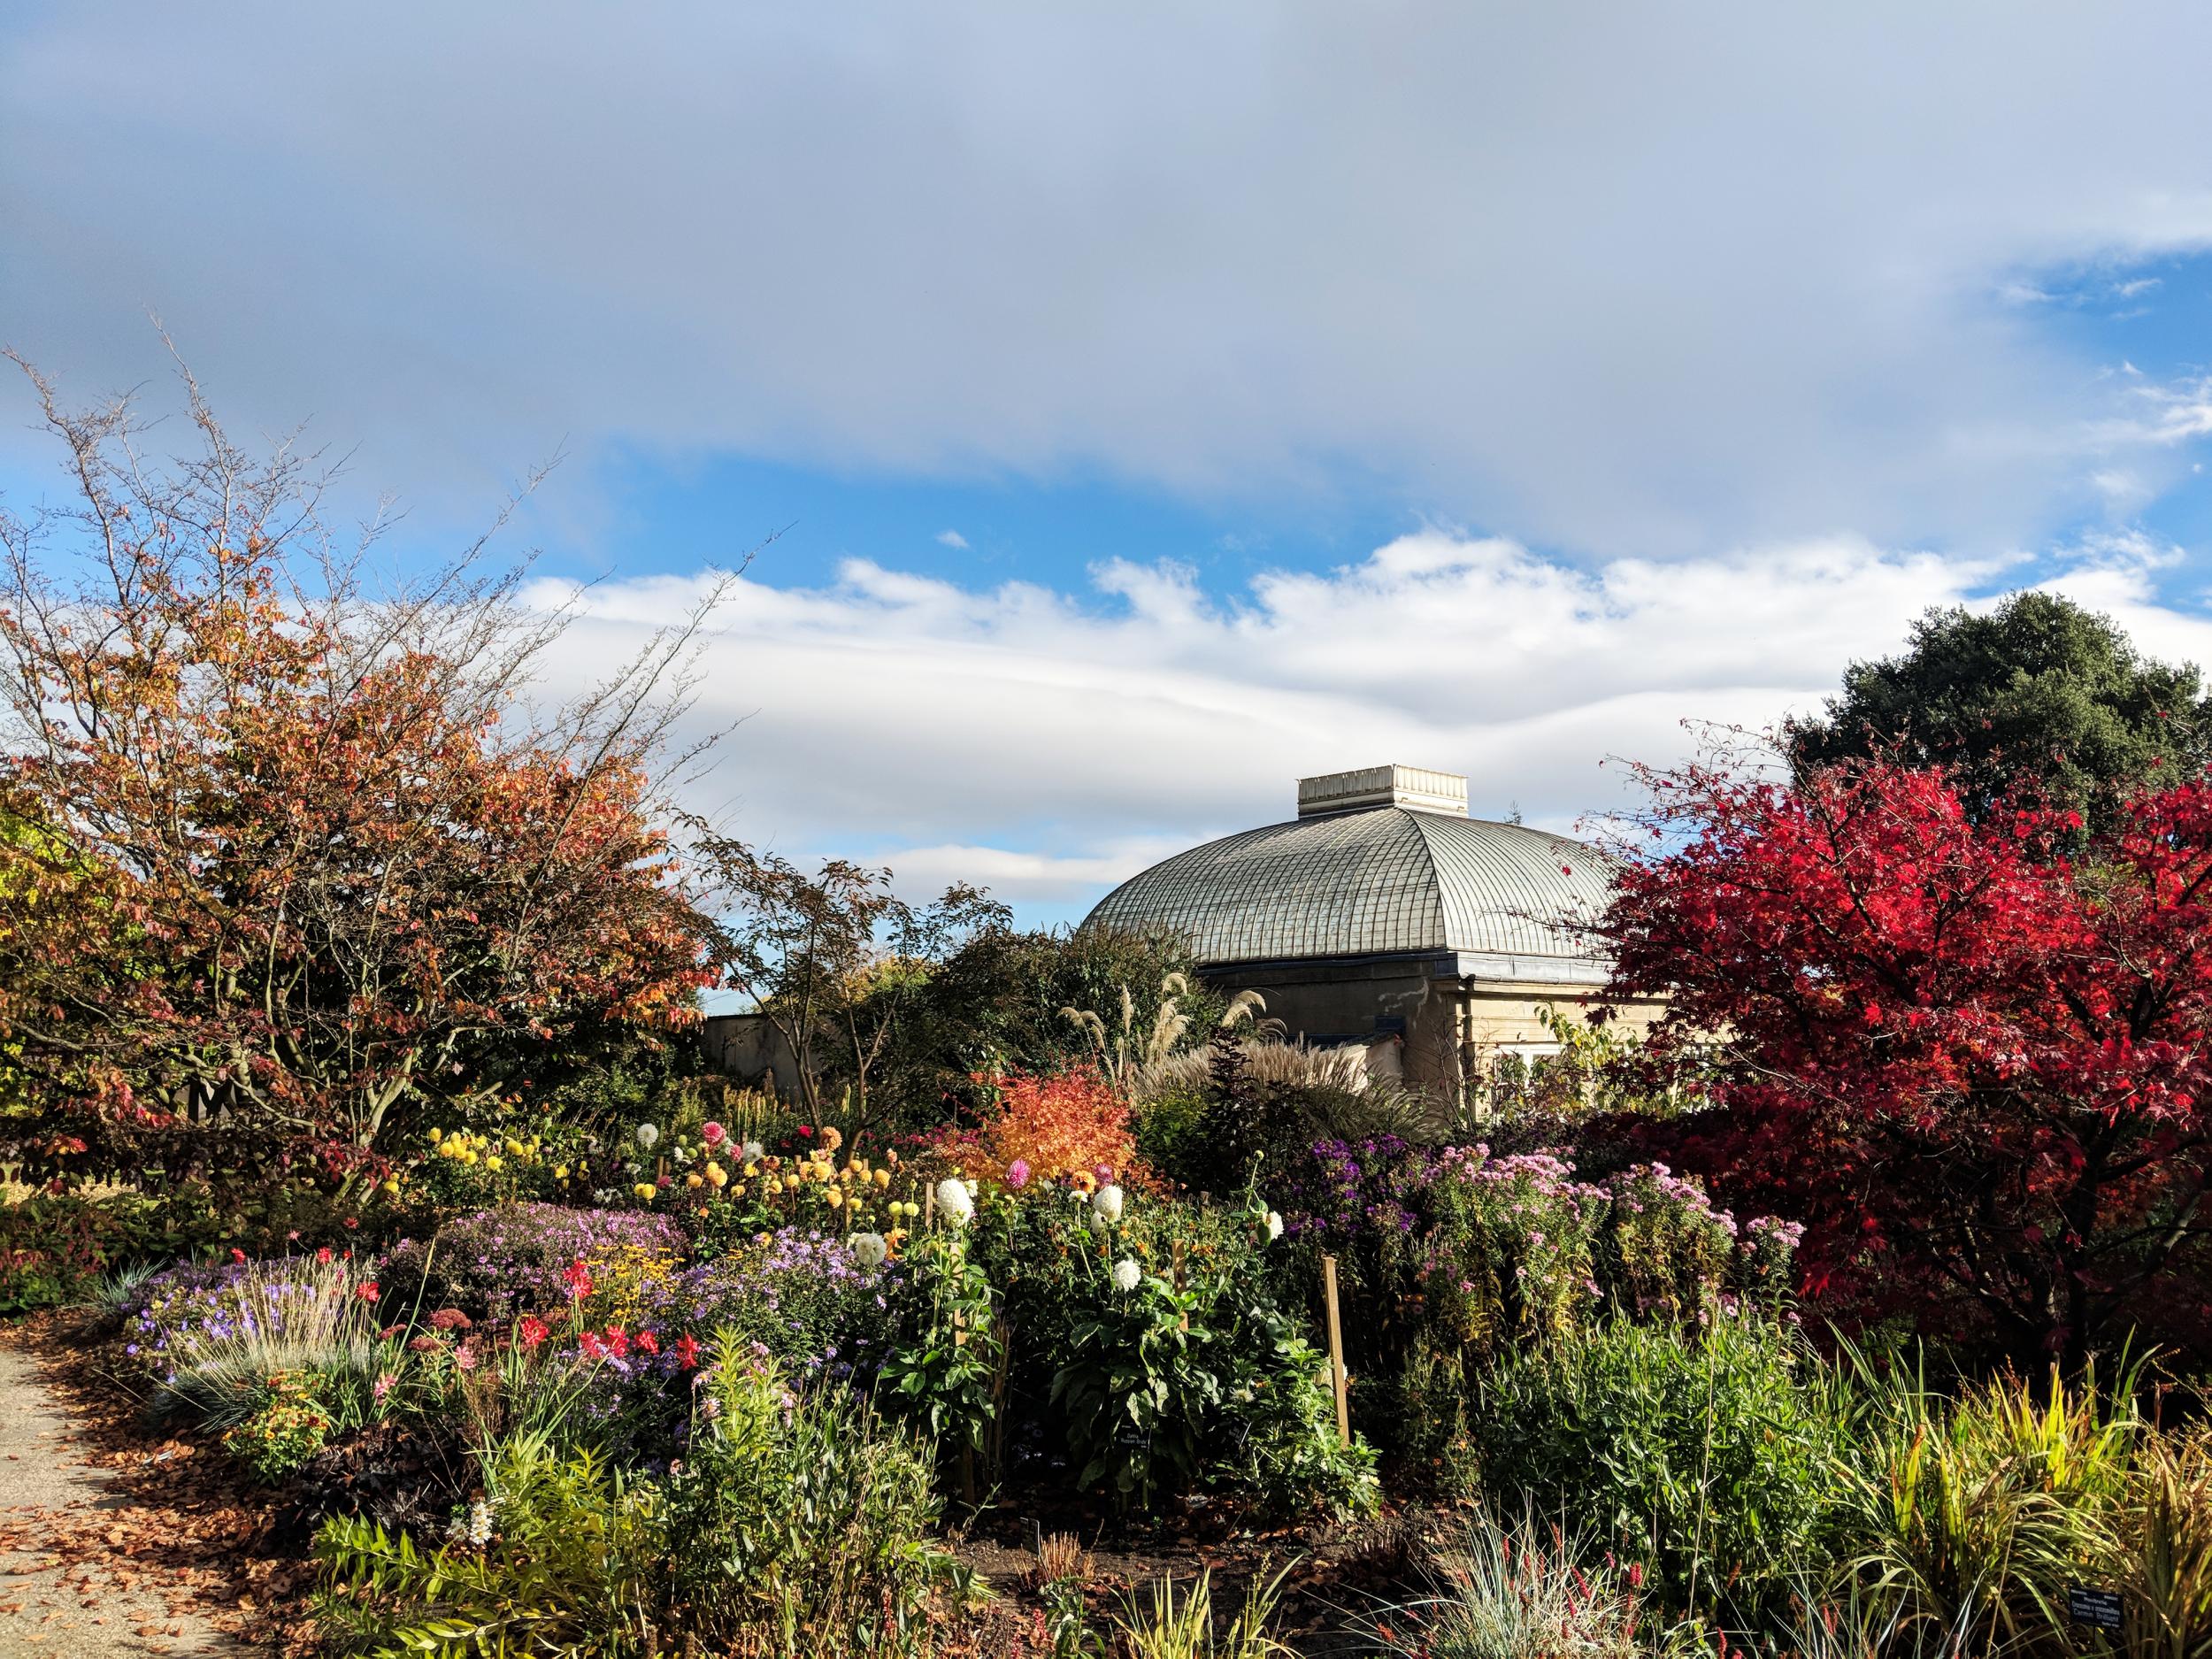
(1056, 1128)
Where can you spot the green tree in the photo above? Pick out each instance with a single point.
(836, 961)
(1000, 1004)
(2039, 696)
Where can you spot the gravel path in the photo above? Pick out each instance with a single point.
(54, 1605)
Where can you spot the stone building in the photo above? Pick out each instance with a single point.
(1382, 915)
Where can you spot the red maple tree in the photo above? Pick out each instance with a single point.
(272, 863)
(1972, 1058)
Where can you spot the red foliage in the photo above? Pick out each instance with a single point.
(1972, 1059)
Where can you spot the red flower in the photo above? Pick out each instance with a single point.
(237, 1254)
(579, 1278)
(531, 1330)
(618, 1342)
(713, 1133)
(368, 1292)
(322, 1256)
(806, 1131)
(648, 1343)
(594, 1349)
(687, 1352)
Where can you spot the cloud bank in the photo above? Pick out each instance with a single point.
(1619, 280)
(1050, 743)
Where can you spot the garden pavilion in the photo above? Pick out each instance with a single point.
(1382, 915)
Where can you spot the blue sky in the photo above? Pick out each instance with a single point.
(1159, 402)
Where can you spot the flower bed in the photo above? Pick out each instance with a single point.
(502, 1262)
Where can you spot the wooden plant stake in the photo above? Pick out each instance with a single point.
(1336, 1352)
(967, 1448)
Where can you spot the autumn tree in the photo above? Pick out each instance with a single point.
(2037, 696)
(1971, 1058)
(288, 858)
(834, 960)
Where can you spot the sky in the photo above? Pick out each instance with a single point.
(1126, 408)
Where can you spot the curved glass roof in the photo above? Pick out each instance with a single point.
(1384, 881)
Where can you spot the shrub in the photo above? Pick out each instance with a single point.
(795, 1518)
(1454, 1258)
(1705, 1454)
(497, 1263)
(563, 1554)
(54, 1247)
(1530, 1592)
(285, 1434)
(1166, 1631)
(2167, 1535)
(213, 1337)
(1973, 1517)
(1053, 1126)
(800, 1518)
(1178, 1370)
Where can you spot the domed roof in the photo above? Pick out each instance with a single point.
(1381, 880)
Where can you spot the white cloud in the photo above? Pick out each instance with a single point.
(951, 537)
(1643, 279)
(1049, 744)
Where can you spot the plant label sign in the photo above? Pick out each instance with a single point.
(2100, 1609)
(1134, 1440)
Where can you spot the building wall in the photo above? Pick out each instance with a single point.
(753, 1051)
(1446, 1031)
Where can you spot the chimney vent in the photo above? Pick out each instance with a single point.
(1412, 786)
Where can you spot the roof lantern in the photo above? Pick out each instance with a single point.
(1415, 788)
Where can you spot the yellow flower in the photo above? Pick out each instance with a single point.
(437, 1135)
(694, 1179)
(717, 1174)
(883, 1178)
(836, 1196)
(790, 1183)
(645, 1190)
(468, 1154)
(561, 1173)
(495, 1162)
(514, 1147)
(391, 1185)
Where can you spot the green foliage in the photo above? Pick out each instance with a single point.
(53, 1247)
(1170, 1126)
(996, 1006)
(291, 1426)
(1706, 1456)
(945, 1371)
(795, 1522)
(2038, 694)
(2168, 1538)
(1191, 1376)
(1166, 1630)
(800, 1522)
(1973, 1517)
(1531, 1592)
(564, 1555)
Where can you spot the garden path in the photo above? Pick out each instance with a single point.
(86, 1570)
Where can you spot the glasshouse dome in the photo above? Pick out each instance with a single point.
(1383, 914)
